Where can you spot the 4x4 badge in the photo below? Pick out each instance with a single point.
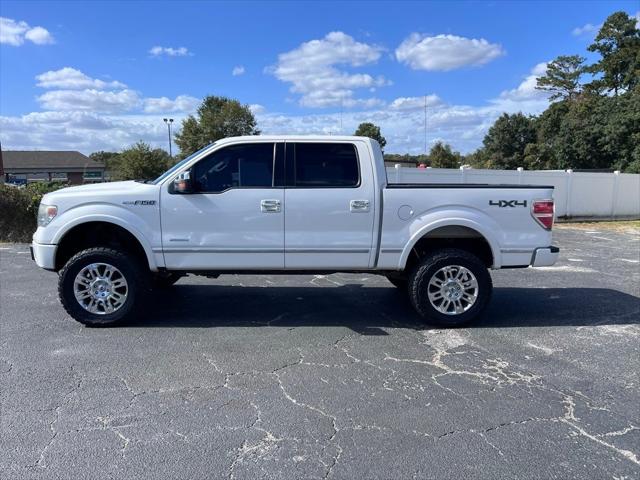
(507, 203)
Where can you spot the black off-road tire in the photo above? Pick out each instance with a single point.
(422, 273)
(164, 280)
(136, 275)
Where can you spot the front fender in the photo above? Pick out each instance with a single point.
(100, 213)
(460, 216)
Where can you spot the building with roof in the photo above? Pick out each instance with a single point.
(66, 166)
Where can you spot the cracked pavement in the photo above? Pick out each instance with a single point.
(330, 377)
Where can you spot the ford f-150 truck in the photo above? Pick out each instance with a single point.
(289, 204)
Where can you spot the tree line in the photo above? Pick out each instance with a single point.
(592, 121)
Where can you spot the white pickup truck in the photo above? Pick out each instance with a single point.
(289, 204)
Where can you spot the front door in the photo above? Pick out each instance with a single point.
(235, 217)
(329, 206)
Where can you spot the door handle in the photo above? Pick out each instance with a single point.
(359, 205)
(270, 206)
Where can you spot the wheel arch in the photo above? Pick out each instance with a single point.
(101, 230)
(460, 232)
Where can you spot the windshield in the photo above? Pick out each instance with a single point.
(178, 166)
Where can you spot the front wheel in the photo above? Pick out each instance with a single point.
(101, 287)
(450, 287)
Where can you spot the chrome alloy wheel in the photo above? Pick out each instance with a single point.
(453, 290)
(100, 288)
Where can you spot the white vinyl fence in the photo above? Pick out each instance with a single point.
(576, 194)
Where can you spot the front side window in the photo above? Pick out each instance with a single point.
(236, 166)
(318, 165)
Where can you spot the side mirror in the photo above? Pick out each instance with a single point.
(182, 183)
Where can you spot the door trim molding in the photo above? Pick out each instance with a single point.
(259, 250)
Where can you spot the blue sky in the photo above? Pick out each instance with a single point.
(101, 75)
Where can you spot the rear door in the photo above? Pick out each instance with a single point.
(329, 205)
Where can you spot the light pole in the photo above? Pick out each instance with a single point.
(169, 121)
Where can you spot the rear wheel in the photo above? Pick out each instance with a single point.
(450, 287)
(101, 287)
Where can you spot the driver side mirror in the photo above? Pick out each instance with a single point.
(182, 183)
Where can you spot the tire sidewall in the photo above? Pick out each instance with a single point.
(122, 262)
(419, 281)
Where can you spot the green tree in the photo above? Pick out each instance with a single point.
(109, 159)
(505, 142)
(217, 117)
(562, 77)
(441, 156)
(140, 162)
(618, 43)
(368, 129)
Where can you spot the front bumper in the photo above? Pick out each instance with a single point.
(44, 255)
(545, 256)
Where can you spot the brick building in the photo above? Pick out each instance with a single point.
(67, 166)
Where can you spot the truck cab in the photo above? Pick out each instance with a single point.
(289, 204)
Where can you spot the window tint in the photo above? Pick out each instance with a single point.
(237, 166)
(325, 165)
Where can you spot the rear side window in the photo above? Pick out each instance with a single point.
(318, 165)
(237, 166)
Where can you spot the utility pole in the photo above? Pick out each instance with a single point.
(1, 167)
(341, 108)
(169, 122)
(425, 126)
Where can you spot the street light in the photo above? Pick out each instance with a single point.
(169, 121)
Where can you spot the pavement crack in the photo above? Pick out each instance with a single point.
(104, 421)
(54, 433)
(321, 412)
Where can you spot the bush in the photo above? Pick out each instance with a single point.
(19, 210)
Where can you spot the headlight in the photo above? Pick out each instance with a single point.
(46, 213)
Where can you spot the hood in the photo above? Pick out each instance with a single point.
(98, 187)
(108, 192)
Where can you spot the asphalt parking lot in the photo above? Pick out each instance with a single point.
(330, 377)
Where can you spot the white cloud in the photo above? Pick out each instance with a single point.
(256, 108)
(445, 52)
(415, 103)
(527, 89)
(312, 71)
(182, 103)
(238, 70)
(94, 119)
(70, 78)
(39, 36)
(15, 33)
(159, 51)
(84, 131)
(587, 29)
(90, 100)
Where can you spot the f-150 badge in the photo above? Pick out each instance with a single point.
(140, 202)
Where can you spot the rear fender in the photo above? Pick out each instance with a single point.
(461, 216)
